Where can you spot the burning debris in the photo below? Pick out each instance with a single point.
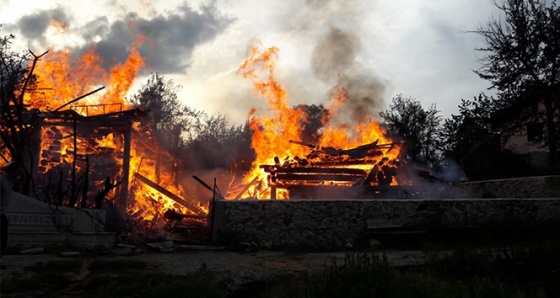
(335, 168)
(96, 150)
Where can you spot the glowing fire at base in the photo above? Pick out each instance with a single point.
(278, 136)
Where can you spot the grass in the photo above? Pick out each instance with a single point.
(41, 277)
(107, 278)
(526, 264)
(514, 272)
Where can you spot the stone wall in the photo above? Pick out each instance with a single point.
(526, 187)
(344, 223)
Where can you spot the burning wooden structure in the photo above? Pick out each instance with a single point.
(75, 155)
(329, 172)
(86, 161)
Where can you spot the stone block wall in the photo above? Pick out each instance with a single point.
(344, 223)
(525, 187)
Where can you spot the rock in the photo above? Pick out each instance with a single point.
(161, 246)
(70, 254)
(32, 251)
(122, 251)
(374, 243)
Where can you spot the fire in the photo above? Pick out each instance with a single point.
(277, 135)
(66, 149)
(271, 135)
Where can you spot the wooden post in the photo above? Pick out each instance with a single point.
(273, 193)
(126, 167)
(34, 163)
(73, 189)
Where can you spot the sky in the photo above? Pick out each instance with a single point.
(375, 48)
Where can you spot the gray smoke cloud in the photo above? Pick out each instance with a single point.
(35, 25)
(169, 40)
(334, 61)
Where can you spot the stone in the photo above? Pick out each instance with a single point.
(33, 251)
(70, 254)
(374, 243)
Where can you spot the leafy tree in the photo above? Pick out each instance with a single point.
(215, 144)
(522, 61)
(419, 128)
(168, 119)
(317, 116)
(14, 80)
(16, 120)
(472, 141)
(472, 125)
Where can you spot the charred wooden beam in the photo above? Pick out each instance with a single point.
(173, 215)
(215, 191)
(253, 182)
(326, 150)
(167, 193)
(125, 167)
(302, 170)
(318, 177)
(78, 98)
(349, 162)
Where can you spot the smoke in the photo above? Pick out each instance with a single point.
(35, 25)
(335, 61)
(168, 39)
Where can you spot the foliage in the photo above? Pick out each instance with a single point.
(419, 128)
(471, 126)
(106, 278)
(50, 277)
(214, 144)
(204, 141)
(167, 117)
(472, 140)
(363, 275)
(15, 79)
(317, 117)
(522, 61)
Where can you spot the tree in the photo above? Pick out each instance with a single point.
(472, 140)
(16, 120)
(522, 61)
(317, 116)
(472, 125)
(167, 117)
(216, 145)
(406, 120)
(14, 80)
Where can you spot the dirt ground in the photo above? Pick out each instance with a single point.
(237, 269)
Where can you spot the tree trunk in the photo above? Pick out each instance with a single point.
(551, 131)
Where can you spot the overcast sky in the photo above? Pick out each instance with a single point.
(377, 48)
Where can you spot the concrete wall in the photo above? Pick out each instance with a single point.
(344, 223)
(29, 214)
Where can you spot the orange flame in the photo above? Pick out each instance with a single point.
(66, 78)
(272, 134)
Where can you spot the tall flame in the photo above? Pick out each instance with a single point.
(63, 78)
(272, 134)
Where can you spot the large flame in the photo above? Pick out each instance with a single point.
(63, 78)
(272, 133)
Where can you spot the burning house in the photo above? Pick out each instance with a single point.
(97, 150)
